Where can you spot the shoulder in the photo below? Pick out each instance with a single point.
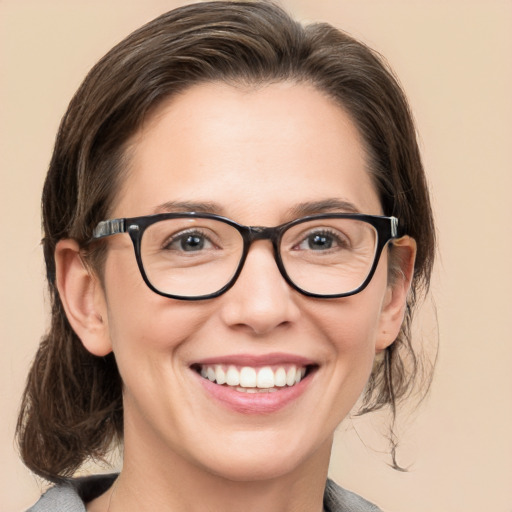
(61, 498)
(72, 495)
(337, 499)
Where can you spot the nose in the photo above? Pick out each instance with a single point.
(260, 300)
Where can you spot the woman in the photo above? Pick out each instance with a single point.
(236, 227)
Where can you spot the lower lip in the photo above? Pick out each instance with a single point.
(254, 403)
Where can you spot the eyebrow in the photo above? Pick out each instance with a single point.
(331, 205)
(299, 210)
(189, 206)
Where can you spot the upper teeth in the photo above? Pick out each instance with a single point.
(248, 377)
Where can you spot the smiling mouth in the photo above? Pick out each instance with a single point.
(248, 379)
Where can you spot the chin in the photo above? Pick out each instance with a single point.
(259, 458)
(255, 469)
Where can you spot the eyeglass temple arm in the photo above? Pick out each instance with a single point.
(394, 227)
(108, 228)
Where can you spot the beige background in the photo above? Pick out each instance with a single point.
(454, 59)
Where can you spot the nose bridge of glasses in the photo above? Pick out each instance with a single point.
(260, 233)
(256, 233)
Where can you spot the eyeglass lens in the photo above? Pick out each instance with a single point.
(191, 257)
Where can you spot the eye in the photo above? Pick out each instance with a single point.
(190, 241)
(321, 241)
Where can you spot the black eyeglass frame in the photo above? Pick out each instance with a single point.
(386, 228)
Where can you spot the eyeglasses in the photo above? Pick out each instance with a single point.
(194, 256)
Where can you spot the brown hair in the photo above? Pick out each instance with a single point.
(72, 405)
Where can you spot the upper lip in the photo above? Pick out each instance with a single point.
(254, 360)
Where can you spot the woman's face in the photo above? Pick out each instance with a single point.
(257, 156)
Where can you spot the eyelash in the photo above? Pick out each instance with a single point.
(182, 235)
(328, 233)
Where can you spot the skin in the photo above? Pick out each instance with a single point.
(257, 154)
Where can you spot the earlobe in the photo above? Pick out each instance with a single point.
(402, 257)
(82, 297)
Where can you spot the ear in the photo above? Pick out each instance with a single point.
(83, 298)
(402, 257)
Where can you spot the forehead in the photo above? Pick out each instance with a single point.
(263, 148)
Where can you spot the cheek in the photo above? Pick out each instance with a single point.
(350, 327)
(143, 324)
(352, 323)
